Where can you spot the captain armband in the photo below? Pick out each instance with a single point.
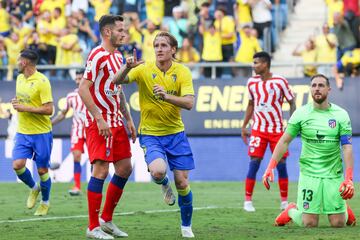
(345, 139)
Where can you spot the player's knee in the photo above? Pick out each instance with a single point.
(158, 175)
(124, 172)
(310, 223)
(337, 223)
(42, 171)
(77, 156)
(17, 165)
(181, 183)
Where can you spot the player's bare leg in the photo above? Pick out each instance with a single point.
(157, 170)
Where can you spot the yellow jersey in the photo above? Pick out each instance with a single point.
(225, 27)
(101, 8)
(148, 51)
(244, 12)
(326, 54)
(155, 11)
(212, 47)
(249, 46)
(159, 118)
(13, 49)
(4, 20)
(33, 91)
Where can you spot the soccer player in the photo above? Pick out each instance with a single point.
(106, 137)
(266, 95)
(165, 87)
(322, 189)
(73, 100)
(33, 139)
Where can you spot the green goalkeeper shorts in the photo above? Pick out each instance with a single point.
(320, 195)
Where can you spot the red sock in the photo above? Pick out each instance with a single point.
(77, 180)
(249, 188)
(283, 186)
(113, 194)
(94, 204)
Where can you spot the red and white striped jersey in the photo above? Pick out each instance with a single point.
(101, 67)
(73, 100)
(268, 97)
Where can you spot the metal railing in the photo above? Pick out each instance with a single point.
(287, 69)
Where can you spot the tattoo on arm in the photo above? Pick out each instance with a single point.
(123, 108)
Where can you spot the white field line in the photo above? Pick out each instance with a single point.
(115, 214)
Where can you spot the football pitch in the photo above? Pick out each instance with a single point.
(218, 214)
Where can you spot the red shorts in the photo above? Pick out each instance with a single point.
(77, 144)
(259, 141)
(111, 149)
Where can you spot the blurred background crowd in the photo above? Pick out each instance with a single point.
(64, 31)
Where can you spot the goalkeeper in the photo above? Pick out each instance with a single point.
(322, 189)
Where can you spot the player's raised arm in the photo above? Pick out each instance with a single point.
(131, 62)
(280, 149)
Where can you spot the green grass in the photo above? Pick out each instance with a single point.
(226, 220)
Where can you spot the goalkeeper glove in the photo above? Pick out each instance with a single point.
(347, 186)
(269, 174)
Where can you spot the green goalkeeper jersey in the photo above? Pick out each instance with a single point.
(320, 132)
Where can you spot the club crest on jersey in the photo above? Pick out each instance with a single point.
(88, 66)
(332, 123)
(174, 77)
(306, 205)
(107, 152)
(153, 75)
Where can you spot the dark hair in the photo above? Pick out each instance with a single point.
(321, 76)
(205, 4)
(109, 19)
(264, 56)
(30, 54)
(172, 40)
(79, 71)
(58, 10)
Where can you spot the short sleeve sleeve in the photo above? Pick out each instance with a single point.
(92, 67)
(135, 73)
(294, 124)
(186, 83)
(45, 92)
(345, 125)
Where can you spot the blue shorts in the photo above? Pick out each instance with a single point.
(33, 146)
(174, 148)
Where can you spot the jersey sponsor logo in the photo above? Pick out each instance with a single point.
(174, 77)
(337, 208)
(153, 75)
(111, 92)
(332, 123)
(319, 136)
(306, 205)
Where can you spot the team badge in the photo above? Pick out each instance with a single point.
(88, 66)
(174, 77)
(107, 152)
(153, 75)
(332, 123)
(306, 205)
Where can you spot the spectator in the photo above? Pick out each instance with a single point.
(50, 5)
(212, 51)
(248, 47)
(178, 26)
(19, 27)
(187, 53)
(348, 65)
(77, 5)
(155, 11)
(87, 37)
(128, 47)
(325, 44)
(205, 19)
(308, 54)
(168, 9)
(227, 5)
(346, 39)
(225, 24)
(3, 58)
(13, 47)
(261, 14)
(4, 21)
(33, 42)
(101, 7)
(333, 6)
(47, 38)
(242, 13)
(24, 9)
(149, 35)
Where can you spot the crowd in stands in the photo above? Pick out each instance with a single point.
(64, 31)
(336, 50)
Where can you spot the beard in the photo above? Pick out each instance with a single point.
(319, 100)
(114, 41)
